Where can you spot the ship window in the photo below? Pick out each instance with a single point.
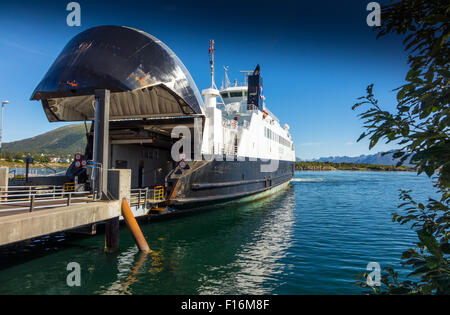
(276, 137)
(245, 93)
(224, 95)
(235, 94)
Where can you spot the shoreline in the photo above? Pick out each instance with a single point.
(299, 166)
(13, 165)
(330, 166)
(351, 170)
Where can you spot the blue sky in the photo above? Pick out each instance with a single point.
(316, 58)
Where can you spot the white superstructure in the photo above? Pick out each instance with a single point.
(234, 128)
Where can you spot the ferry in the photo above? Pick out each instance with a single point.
(223, 145)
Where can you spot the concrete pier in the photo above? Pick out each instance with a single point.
(19, 227)
(23, 226)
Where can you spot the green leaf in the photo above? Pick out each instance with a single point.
(432, 261)
(409, 253)
(445, 248)
(429, 242)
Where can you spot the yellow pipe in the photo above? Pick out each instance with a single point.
(132, 224)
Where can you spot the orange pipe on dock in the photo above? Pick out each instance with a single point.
(132, 224)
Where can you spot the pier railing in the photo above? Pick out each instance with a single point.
(30, 198)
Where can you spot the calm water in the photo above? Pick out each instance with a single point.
(314, 237)
(38, 171)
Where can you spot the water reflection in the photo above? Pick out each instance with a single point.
(126, 267)
(258, 259)
(314, 237)
(236, 250)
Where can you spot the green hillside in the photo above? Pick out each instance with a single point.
(65, 140)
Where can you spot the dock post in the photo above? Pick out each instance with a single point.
(112, 235)
(101, 142)
(119, 185)
(133, 226)
(4, 171)
(101, 148)
(32, 203)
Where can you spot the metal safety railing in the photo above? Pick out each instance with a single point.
(11, 190)
(145, 196)
(20, 198)
(158, 193)
(67, 187)
(30, 198)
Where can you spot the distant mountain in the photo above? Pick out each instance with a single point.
(65, 140)
(377, 158)
(72, 139)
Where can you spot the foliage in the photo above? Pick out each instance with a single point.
(421, 128)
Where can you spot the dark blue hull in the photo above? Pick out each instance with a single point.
(205, 183)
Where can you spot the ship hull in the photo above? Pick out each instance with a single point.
(207, 183)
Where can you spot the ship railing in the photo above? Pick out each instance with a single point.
(235, 125)
(233, 84)
(272, 115)
(229, 149)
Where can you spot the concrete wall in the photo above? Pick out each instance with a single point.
(119, 183)
(157, 163)
(19, 227)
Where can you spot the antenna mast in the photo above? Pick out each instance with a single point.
(211, 52)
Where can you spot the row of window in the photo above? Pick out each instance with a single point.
(233, 94)
(273, 136)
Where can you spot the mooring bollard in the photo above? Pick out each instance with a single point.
(132, 224)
